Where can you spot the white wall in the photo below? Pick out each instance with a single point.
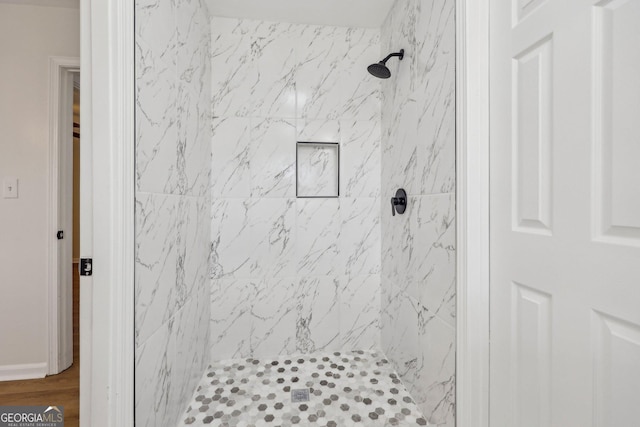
(293, 275)
(29, 35)
(418, 248)
(173, 164)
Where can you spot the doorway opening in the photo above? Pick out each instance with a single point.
(62, 382)
(64, 212)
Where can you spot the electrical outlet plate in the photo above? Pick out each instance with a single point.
(10, 188)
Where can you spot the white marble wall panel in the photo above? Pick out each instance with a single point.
(194, 94)
(156, 122)
(435, 386)
(232, 247)
(387, 291)
(360, 302)
(193, 42)
(193, 158)
(400, 314)
(230, 165)
(275, 218)
(318, 236)
(275, 315)
(422, 349)
(173, 164)
(332, 81)
(435, 89)
(273, 158)
(156, 262)
(253, 238)
(191, 341)
(400, 148)
(284, 70)
(399, 32)
(231, 319)
(418, 248)
(172, 98)
(255, 65)
(267, 317)
(359, 244)
(323, 130)
(397, 246)
(232, 76)
(156, 29)
(274, 57)
(194, 136)
(361, 158)
(318, 321)
(170, 361)
(281, 265)
(433, 263)
(155, 359)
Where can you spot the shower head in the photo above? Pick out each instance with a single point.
(380, 69)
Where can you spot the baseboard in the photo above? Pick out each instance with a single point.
(23, 372)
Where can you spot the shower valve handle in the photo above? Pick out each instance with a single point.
(399, 202)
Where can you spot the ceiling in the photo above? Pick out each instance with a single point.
(342, 13)
(52, 3)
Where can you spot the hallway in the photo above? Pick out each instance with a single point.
(57, 390)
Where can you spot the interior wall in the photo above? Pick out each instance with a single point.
(418, 248)
(173, 163)
(29, 35)
(293, 275)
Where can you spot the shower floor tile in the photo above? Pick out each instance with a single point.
(357, 388)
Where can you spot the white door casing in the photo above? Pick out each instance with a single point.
(107, 213)
(565, 213)
(472, 219)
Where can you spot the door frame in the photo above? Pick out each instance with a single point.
(107, 213)
(472, 198)
(107, 378)
(60, 317)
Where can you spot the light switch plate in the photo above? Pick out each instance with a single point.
(10, 188)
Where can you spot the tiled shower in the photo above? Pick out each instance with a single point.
(233, 269)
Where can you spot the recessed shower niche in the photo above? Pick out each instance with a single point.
(317, 169)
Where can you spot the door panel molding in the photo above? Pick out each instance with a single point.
(531, 355)
(614, 403)
(532, 138)
(615, 111)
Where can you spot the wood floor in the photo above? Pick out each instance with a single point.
(56, 390)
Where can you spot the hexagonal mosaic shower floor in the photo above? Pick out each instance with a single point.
(345, 389)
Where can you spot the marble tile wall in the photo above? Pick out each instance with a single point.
(418, 248)
(173, 205)
(293, 275)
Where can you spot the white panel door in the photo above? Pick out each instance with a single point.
(565, 213)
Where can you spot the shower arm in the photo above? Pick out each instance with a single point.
(391, 55)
